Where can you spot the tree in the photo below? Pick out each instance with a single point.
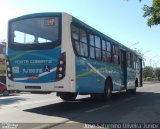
(153, 13)
(148, 71)
(157, 73)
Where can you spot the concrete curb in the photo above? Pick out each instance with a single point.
(148, 82)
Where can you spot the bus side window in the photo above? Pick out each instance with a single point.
(134, 61)
(128, 60)
(108, 52)
(75, 37)
(104, 54)
(83, 43)
(95, 47)
(75, 33)
(98, 47)
(115, 54)
(92, 49)
(131, 60)
(79, 37)
(122, 63)
(137, 64)
(77, 47)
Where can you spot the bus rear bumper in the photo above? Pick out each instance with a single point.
(64, 85)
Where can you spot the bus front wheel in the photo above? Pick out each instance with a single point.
(68, 96)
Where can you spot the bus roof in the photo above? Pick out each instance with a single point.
(33, 15)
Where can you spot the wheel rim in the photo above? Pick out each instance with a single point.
(108, 92)
(5, 93)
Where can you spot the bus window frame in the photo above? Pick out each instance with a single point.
(91, 45)
(94, 46)
(115, 54)
(73, 40)
(106, 50)
(98, 47)
(38, 46)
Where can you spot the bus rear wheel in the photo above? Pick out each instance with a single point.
(108, 90)
(67, 96)
(5, 93)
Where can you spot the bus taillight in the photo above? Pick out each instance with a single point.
(9, 69)
(61, 67)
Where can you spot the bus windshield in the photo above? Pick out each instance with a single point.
(35, 31)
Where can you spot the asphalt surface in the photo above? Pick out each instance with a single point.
(124, 110)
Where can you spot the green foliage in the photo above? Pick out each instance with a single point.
(157, 72)
(148, 79)
(148, 71)
(153, 13)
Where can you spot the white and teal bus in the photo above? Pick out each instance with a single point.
(56, 52)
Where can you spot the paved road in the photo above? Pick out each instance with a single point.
(40, 111)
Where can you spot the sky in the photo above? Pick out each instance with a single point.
(123, 21)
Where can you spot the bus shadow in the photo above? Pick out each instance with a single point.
(118, 107)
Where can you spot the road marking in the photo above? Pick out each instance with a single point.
(99, 108)
(129, 99)
(151, 92)
(157, 91)
(144, 93)
(51, 125)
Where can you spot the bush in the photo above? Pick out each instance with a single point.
(148, 79)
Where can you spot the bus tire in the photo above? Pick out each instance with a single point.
(108, 89)
(68, 96)
(97, 96)
(5, 93)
